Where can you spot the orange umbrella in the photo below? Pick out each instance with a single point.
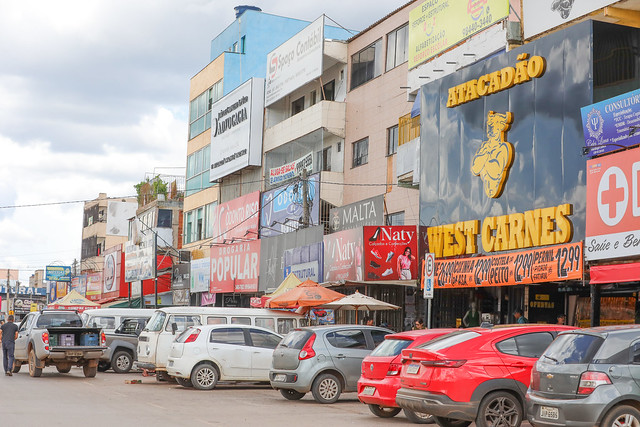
(306, 294)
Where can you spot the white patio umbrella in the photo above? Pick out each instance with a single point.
(358, 301)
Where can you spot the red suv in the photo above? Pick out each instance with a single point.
(475, 374)
(380, 379)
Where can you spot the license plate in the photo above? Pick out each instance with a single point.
(413, 368)
(280, 378)
(73, 353)
(549, 412)
(368, 391)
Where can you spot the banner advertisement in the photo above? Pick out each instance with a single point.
(282, 207)
(305, 262)
(94, 286)
(24, 305)
(295, 62)
(550, 264)
(236, 130)
(118, 214)
(20, 290)
(542, 15)
(207, 298)
(139, 260)
(237, 219)
(57, 273)
(79, 284)
(180, 278)
(390, 252)
(613, 206)
(436, 26)
(181, 296)
(612, 124)
(52, 292)
(291, 170)
(200, 272)
(61, 289)
(111, 272)
(365, 212)
(235, 267)
(343, 255)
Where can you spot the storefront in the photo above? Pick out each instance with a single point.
(503, 177)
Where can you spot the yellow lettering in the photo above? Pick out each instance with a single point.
(547, 237)
(460, 89)
(507, 75)
(471, 231)
(532, 228)
(502, 233)
(453, 100)
(434, 235)
(460, 245)
(494, 82)
(482, 85)
(522, 73)
(447, 237)
(536, 66)
(471, 92)
(488, 241)
(564, 232)
(516, 231)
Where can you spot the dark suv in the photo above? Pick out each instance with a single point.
(588, 377)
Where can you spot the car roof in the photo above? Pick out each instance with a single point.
(531, 327)
(324, 328)
(606, 330)
(231, 325)
(418, 333)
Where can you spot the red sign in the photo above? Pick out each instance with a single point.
(237, 219)
(235, 268)
(549, 264)
(343, 255)
(613, 206)
(390, 252)
(94, 286)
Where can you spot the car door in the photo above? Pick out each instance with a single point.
(521, 351)
(262, 345)
(24, 334)
(228, 348)
(348, 347)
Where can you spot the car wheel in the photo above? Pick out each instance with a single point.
(450, 422)
(418, 417)
(384, 411)
(34, 371)
(63, 369)
(122, 362)
(622, 416)
(204, 377)
(16, 367)
(103, 366)
(291, 394)
(326, 388)
(184, 382)
(499, 408)
(89, 371)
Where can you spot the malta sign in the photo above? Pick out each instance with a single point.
(495, 155)
(613, 206)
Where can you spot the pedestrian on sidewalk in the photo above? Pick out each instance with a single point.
(8, 335)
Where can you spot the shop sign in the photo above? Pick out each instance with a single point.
(207, 298)
(237, 219)
(390, 252)
(235, 267)
(365, 212)
(613, 206)
(94, 286)
(612, 124)
(557, 263)
(180, 279)
(200, 275)
(139, 262)
(282, 207)
(79, 284)
(57, 273)
(434, 25)
(291, 170)
(543, 15)
(343, 255)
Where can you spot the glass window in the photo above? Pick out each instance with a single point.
(324, 159)
(635, 353)
(349, 338)
(200, 109)
(360, 152)
(264, 339)
(285, 326)
(297, 106)
(378, 336)
(164, 218)
(397, 47)
(183, 322)
(392, 140)
(391, 347)
(533, 345)
(241, 320)
(329, 91)
(228, 336)
(572, 349)
(312, 98)
(396, 218)
(108, 322)
(266, 322)
(211, 320)
(156, 321)
(508, 346)
(366, 64)
(243, 44)
(296, 339)
(47, 320)
(188, 229)
(129, 326)
(449, 340)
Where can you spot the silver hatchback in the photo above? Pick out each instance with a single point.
(325, 360)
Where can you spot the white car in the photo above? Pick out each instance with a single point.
(203, 355)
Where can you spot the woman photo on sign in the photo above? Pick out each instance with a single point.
(404, 264)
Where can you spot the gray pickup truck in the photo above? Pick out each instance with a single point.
(122, 345)
(56, 337)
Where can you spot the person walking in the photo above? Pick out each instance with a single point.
(8, 335)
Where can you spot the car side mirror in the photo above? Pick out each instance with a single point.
(174, 328)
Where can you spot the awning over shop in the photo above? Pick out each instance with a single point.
(123, 303)
(615, 273)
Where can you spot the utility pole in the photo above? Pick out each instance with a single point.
(305, 199)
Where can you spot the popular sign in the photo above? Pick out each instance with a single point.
(613, 206)
(235, 268)
(390, 252)
(539, 265)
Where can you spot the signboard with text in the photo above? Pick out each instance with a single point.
(343, 255)
(291, 170)
(542, 15)
(94, 286)
(237, 219)
(200, 275)
(235, 267)
(139, 260)
(305, 262)
(365, 212)
(390, 252)
(58, 273)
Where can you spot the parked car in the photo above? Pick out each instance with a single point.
(122, 345)
(109, 319)
(380, 373)
(203, 355)
(322, 359)
(475, 374)
(588, 377)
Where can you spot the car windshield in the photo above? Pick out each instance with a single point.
(390, 347)
(47, 320)
(572, 349)
(449, 340)
(295, 339)
(156, 322)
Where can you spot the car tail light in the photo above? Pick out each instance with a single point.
(590, 380)
(307, 351)
(103, 340)
(193, 336)
(394, 369)
(535, 378)
(45, 340)
(443, 363)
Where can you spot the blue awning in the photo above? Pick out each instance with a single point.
(415, 109)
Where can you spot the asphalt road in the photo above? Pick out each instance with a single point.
(71, 400)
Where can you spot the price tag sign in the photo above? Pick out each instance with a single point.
(429, 272)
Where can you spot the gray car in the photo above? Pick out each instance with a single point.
(325, 360)
(588, 377)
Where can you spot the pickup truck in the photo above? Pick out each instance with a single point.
(56, 337)
(122, 345)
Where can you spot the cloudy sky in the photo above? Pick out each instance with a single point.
(94, 94)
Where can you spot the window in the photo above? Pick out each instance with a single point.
(164, 218)
(266, 322)
(312, 98)
(324, 160)
(211, 320)
(360, 152)
(397, 47)
(183, 322)
(241, 320)
(378, 337)
(243, 44)
(130, 327)
(200, 109)
(527, 345)
(573, 349)
(285, 325)
(228, 336)
(49, 320)
(329, 91)
(198, 223)
(349, 338)
(198, 165)
(366, 64)
(235, 47)
(396, 218)
(391, 347)
(263, 339)
(297, 106)
(107, 322)
(392, 140)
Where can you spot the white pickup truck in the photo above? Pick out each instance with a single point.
(56, 337)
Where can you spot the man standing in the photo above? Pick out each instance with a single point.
(8, 335)
(519, 316)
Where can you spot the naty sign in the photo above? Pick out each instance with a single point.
(359, 214)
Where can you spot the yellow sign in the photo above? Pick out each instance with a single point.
(436, 25)
(495, 155)
(34, 306)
